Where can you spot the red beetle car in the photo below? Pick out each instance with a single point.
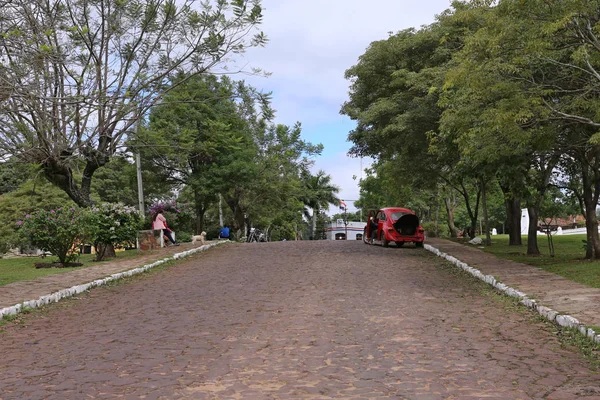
(394, 224)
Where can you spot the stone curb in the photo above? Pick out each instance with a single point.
(73, 290)
(548, 313)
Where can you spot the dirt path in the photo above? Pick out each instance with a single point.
(329, 319)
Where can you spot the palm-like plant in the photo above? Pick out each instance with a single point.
(318, 193)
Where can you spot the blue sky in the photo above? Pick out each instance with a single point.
(312, 43)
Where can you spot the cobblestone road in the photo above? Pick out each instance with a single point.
(291, 320)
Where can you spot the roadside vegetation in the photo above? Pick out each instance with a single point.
(482, 114)
(21, 269)
(568, 260)
(73, 124)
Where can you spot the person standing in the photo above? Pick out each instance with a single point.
(160, 222)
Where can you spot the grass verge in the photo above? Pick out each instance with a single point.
(568, 260)
(21, 269)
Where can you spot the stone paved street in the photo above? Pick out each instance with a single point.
(327, 319)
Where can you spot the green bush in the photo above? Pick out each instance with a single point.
(111, 224)
(55, 231)
(431, 231)
(183, 237)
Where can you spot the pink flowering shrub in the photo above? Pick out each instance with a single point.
(55, 231)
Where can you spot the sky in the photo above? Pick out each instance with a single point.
(311, 44)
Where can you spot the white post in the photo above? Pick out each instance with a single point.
(220, 210)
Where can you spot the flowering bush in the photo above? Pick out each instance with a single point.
(179, 216)
(109, 224)
(55, 231)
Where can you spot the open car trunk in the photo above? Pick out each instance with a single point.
(407, 224)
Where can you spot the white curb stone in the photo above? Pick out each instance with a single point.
(548, 313)
(61, 294)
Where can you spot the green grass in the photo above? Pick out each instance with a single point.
(21, 269)
(568, 260)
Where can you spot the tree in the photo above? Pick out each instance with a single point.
(77, 75)
(394, 98)
(550, 70)
(109, 224)
(116, 182)
(319, 192)
(195, 138)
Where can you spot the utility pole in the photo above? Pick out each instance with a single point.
(138, 164)
(346, 223)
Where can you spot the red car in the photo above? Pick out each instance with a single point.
(394, 224)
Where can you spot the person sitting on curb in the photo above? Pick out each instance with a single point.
(224, 232)
(160, 222)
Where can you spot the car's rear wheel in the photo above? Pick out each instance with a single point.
(399, 244)
(384, 241)
(419, 244)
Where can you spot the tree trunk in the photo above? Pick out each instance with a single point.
(61, 175)
(104, 251)
(200, 211)
(238, 214)
(314, 223)
(200, 221)
(486, 222)
(513, 221)
(450, 214)
(591, 226)
(472, 211)
(532, 245)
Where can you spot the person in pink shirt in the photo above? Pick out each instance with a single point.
(160, 222)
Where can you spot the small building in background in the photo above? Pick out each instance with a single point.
(337, 230)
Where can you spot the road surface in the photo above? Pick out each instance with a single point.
(324, 319)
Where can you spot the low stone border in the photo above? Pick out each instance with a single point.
(551, 315)
(61, 294)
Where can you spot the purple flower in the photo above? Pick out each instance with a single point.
(19, 223)
(28, 216)
(52, 211)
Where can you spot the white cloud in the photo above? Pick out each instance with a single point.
(313, 42)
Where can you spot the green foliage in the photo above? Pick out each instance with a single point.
(13, 174)
(431, 230)
(31, 196)
(317, 194)
(56, 231)
(116, 182)
(140, 37)
(355, 216)
(180, 216)
(183, 236)
(111, 223)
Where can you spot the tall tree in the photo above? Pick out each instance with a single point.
(195, 138)
(394, 98)
(77, 75)
(319, 193)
